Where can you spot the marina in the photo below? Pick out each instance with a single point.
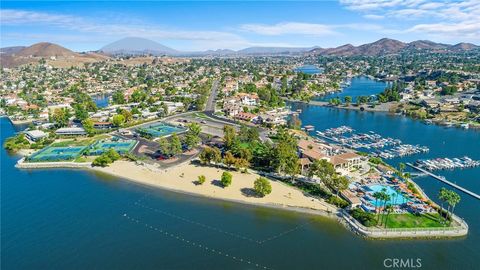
(447, 163)
(402, 151)
(444, 180)
(393, 147)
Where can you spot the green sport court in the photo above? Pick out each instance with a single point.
(159, 130)
(52, 153)
(121, 146)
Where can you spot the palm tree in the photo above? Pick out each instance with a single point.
(442, 196)
(453, 200)
(377, 195)
(401, 167)
(388, 209)
(385, 199)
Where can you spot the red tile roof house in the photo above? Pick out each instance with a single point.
(245, 116)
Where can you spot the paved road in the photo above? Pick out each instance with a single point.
(210, 106)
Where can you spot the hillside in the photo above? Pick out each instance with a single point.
(54, 54)
(390, 46)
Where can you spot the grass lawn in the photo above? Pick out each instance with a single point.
(71, 143)
(200, 115)
(413, 221)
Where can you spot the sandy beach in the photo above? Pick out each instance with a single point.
(183, 178)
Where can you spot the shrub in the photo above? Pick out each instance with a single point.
(201, 179)
(101, 161)
(262, 187)
(337, 201)
(367, 219)
(226, 179)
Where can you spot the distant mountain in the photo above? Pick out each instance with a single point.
(426, 45)
(273, 50)
(136, 46)
(386, 46)
(464, 47)
(46, 49)
(53, 53)
(11, 50)
(382, 46)
(344, 50)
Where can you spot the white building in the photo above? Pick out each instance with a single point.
(35, 135)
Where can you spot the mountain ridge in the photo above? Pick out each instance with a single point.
(18, 55)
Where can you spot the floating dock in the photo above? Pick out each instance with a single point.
(442, 179)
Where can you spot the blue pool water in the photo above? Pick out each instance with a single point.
(396, 198)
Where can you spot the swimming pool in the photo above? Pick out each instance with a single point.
(396, 198)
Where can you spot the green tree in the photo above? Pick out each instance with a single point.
(81, 112)
(453, 200)
(284, 155)
(209, 155)
(323, 170)
(262, 186)
(226, 179)
(88, 126)
(192, 136)
(348, 100)
(101, 161)
(229, 137)
(378, 196)
(443, 197)
(388, 209)
(401, 167)
(164, 147)
(229, 159)
(127, 114)
(118, 120)
(61, 117)
(175, 144)
(112, 154)
(118, 97)
(339, 183)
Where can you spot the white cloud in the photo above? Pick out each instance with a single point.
(442, 19)
(213, 39)
(284, 28)
(373, 17)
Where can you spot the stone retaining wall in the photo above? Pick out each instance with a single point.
(42, 165)
(460, 230)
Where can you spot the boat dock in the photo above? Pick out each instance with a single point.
(442, 179)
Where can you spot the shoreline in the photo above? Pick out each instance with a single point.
(172, 181)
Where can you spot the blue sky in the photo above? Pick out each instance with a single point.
(199, 25)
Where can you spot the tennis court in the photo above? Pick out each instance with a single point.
(53, 153)
(121, 146)
(159, 130)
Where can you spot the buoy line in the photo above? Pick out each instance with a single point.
(194, 244)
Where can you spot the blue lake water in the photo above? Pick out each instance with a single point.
(360, 86)
(74, 219)
(309, 69)
(101, 100)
